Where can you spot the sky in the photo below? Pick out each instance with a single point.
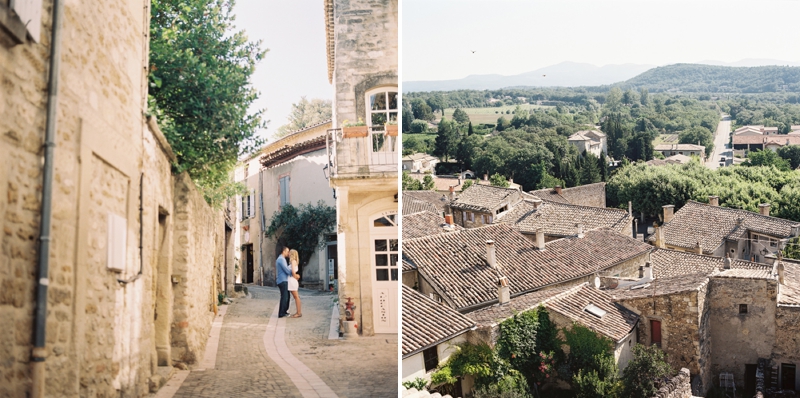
(516, 36)
(296, 64)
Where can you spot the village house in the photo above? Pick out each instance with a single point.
(480, 205)
(720, 231)
(248, 207)
(420, 163)
(674, 159)
(111, 264)
(559, 220)
(582, 195)
(669, 150)
(362, 53)
(431, 332)
(416, 201)
(755, 130)
(591, 141)
(497, 251)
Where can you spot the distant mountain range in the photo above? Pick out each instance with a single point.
(573, 74)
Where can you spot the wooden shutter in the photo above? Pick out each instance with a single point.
(655, 332)
(252, 201)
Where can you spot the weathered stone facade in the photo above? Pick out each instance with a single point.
(677, 387)
(103, 337)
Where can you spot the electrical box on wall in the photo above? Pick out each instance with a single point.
(117, 236)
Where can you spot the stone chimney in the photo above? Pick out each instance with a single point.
(490, 255)
(739, 221)
(780, 270)
(698, 248)
(648, 271)
(449, 219)
(726, 264)
(503, 293)
(540, 239)
(669, 211)
(630, 209)
(510, 180)
(558, 189)
(763, 209)
(635, 228)
(659, 232)
(486, 177)
(536, 203)
(452, 193)
(580, 230)
(713, 200)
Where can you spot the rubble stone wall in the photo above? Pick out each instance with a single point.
(677, 387)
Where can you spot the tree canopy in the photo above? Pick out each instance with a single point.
(306, 113)
(200, 91)
(301, 227)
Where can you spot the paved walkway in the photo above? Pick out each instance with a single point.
(260, 355)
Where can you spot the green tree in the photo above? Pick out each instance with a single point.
(200, 90)
(584, 347)
(437, 103)
(302, 227)
(644, 373)
(644, 97)
(466, 184)
(498, 180)
(767, 158)
(466, 150)
(460, 116)
(590, 171)
(601, 382)
(408, 118)
(792, 154)
(418, 127)
(698, 134)
(411, 183)
(602, 162)
(427, 183)
(502, 123)
(421, 110)
(792, 249)
(304, 114)
(447, 139)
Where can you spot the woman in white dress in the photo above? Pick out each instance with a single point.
(294, 259)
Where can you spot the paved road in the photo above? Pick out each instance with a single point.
(721, 139)
(262, 356)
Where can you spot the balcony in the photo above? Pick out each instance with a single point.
(373, 156)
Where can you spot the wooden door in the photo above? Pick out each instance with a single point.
(655, 332)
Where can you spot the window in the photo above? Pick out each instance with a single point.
(248, 208)
(22, 18)
(246, 170)
(381, 106)
(283, 189)
(742, 309)
(386, 255)
(470, 216)
(773, 242)
(431, 358)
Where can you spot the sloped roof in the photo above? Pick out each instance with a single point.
(569, 302)
(711, 225)
(437, 199)
(425, 223)
(789, 294)
(456, 262)
(427, 323)
(679, 147)
(559, 219)
(330, 45)
(440, 183)
(662, 287)
(668, 263)
(419, 156)
(485, 198)
(575, 195)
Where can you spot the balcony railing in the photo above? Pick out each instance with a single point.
(375, 155)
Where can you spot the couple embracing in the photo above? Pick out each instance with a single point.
(286, 279)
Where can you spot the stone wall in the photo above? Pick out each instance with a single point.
(677, 387)
(740, 339)
(102, 335)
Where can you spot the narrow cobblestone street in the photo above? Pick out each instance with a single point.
(261, 356)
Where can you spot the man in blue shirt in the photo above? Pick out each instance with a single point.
(282, 277)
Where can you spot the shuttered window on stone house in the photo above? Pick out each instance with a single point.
(283, 189)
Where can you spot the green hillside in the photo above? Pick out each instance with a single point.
(695, 78)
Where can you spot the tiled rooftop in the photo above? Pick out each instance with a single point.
(668, 263)
(484, 198)
(662, 286)
(456, 262)
(581, 195)
(679, 147)
(424, 200)
(559, 219)
(711, 225)
(764, 273)
(425, 223)
(413, 205)
(790, 290)
(570, 303)
(427, 323)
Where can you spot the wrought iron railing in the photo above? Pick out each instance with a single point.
(375, 155)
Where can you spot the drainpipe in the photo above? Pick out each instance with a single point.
(141, 234)
(39, 352)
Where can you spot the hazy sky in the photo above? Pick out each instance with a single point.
(516, 36)
(295, 66)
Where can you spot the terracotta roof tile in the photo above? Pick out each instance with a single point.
(790, 290)
(559, 219)
(711, 225)
(661, 287)
(668, 263)
(580, 195)
(456, 262)
(485, 198)
(496, 313)
(679, 147)
(427, 323)
(437, 201)
(425, 223)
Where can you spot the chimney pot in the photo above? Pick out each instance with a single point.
(739, 221)
(536, 203)
(490, 254)
(669, 211)
(452, 189)
(486, 177)
(698, 248)
(726, 264)
(648, 271)
(713, 200)
(503, 292)
(448, 219)
(630, 208)
(558, 189)
(763, 209)
(580, 230)
(540, 239)
(510, 180)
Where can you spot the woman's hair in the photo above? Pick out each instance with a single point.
(293, 256)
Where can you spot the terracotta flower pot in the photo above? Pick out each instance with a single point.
(355, 131)
(391, 130)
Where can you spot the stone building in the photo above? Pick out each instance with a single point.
(134, 256)
(669, 150)
(363, 165)
(723, 231)
(481, 205)
(248, 222)
(592, 141)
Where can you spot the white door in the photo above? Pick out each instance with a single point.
(384, 251)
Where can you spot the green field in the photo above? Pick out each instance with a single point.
(490, 115)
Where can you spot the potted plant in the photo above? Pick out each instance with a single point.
(391, 128)
(355, 129)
